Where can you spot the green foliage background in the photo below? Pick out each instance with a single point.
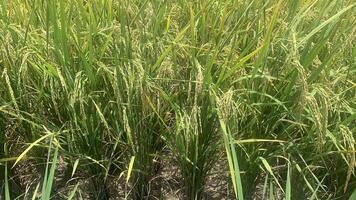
(111, 86)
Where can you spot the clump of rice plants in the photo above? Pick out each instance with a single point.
(98, 97)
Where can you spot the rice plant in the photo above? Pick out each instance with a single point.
(106, 99)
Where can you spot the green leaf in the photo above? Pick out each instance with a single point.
(129, 170)
(353, 195)
(50, 179)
